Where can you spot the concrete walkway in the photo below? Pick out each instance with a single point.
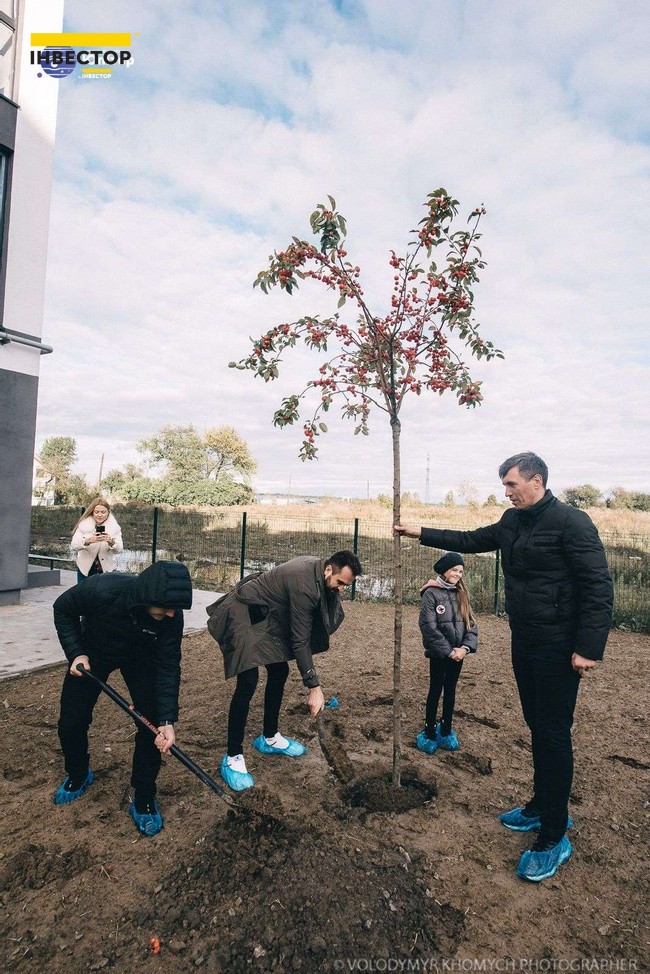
(28, 639)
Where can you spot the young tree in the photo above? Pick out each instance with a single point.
(375, 360)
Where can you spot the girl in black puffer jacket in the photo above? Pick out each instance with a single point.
(449, 633)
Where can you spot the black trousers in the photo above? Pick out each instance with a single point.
(276, 677)
(443, 677)
(78, 698)
(548, 690)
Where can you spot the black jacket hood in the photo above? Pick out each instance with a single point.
(166, 584)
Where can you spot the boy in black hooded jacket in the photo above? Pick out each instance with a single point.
(133, 624)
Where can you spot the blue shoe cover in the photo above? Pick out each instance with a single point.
(295, 749)
(537, 866)
(63, 797)
(449, 742)
(332, 703)
(518, 822)
(237, 780)
(426, 744)
(147, 823)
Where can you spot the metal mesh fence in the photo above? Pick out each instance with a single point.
(219, 547)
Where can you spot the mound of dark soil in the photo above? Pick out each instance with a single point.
(261, 892)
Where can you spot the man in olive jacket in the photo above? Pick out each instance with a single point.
(559, 600)
(134, 624)
(267, 620)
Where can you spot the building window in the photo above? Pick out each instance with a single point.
(4, 169)
(7, 48)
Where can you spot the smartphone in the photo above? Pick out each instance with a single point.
(100, 529)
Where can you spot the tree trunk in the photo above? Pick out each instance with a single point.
(397, 566)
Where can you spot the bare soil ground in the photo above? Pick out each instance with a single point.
(303, 878)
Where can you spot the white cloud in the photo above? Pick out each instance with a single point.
(175, 181)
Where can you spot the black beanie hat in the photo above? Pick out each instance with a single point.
(450, 560)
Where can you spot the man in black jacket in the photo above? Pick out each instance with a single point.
(133, 624)
(559, 600)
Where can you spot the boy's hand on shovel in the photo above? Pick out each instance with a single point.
(166, 738)
(84, 661)
(315, 701)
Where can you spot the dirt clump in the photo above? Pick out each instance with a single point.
(380, 795)
(37, 866)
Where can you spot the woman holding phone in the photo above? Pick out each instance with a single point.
(96, 540)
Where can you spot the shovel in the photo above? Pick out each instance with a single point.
(143, 722)
(335, 754)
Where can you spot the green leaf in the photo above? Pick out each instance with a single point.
(323, 427)
(342, 301)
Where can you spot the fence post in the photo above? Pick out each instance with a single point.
(242, 557)
(154, 536)
(355, 548)
(497, 562)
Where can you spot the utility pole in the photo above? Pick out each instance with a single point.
(426, 486)
(101, 469)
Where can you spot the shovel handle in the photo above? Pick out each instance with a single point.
(143, 721)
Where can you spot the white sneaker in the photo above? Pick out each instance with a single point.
(237, 764)
(279, 742)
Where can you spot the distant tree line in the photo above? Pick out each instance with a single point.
(186, 467)
(586, 495)
(583, 496)
(215, 468)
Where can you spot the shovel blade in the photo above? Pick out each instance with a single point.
(335, 754)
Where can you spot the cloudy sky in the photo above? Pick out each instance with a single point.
(175, 179)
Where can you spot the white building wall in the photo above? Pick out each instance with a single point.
(27, 126)
(31, 187)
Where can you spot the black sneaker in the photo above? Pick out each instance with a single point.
(147, 816)
(74, 784)
(544, 859)
(72, 788)
(542, 844)
(144, 806)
